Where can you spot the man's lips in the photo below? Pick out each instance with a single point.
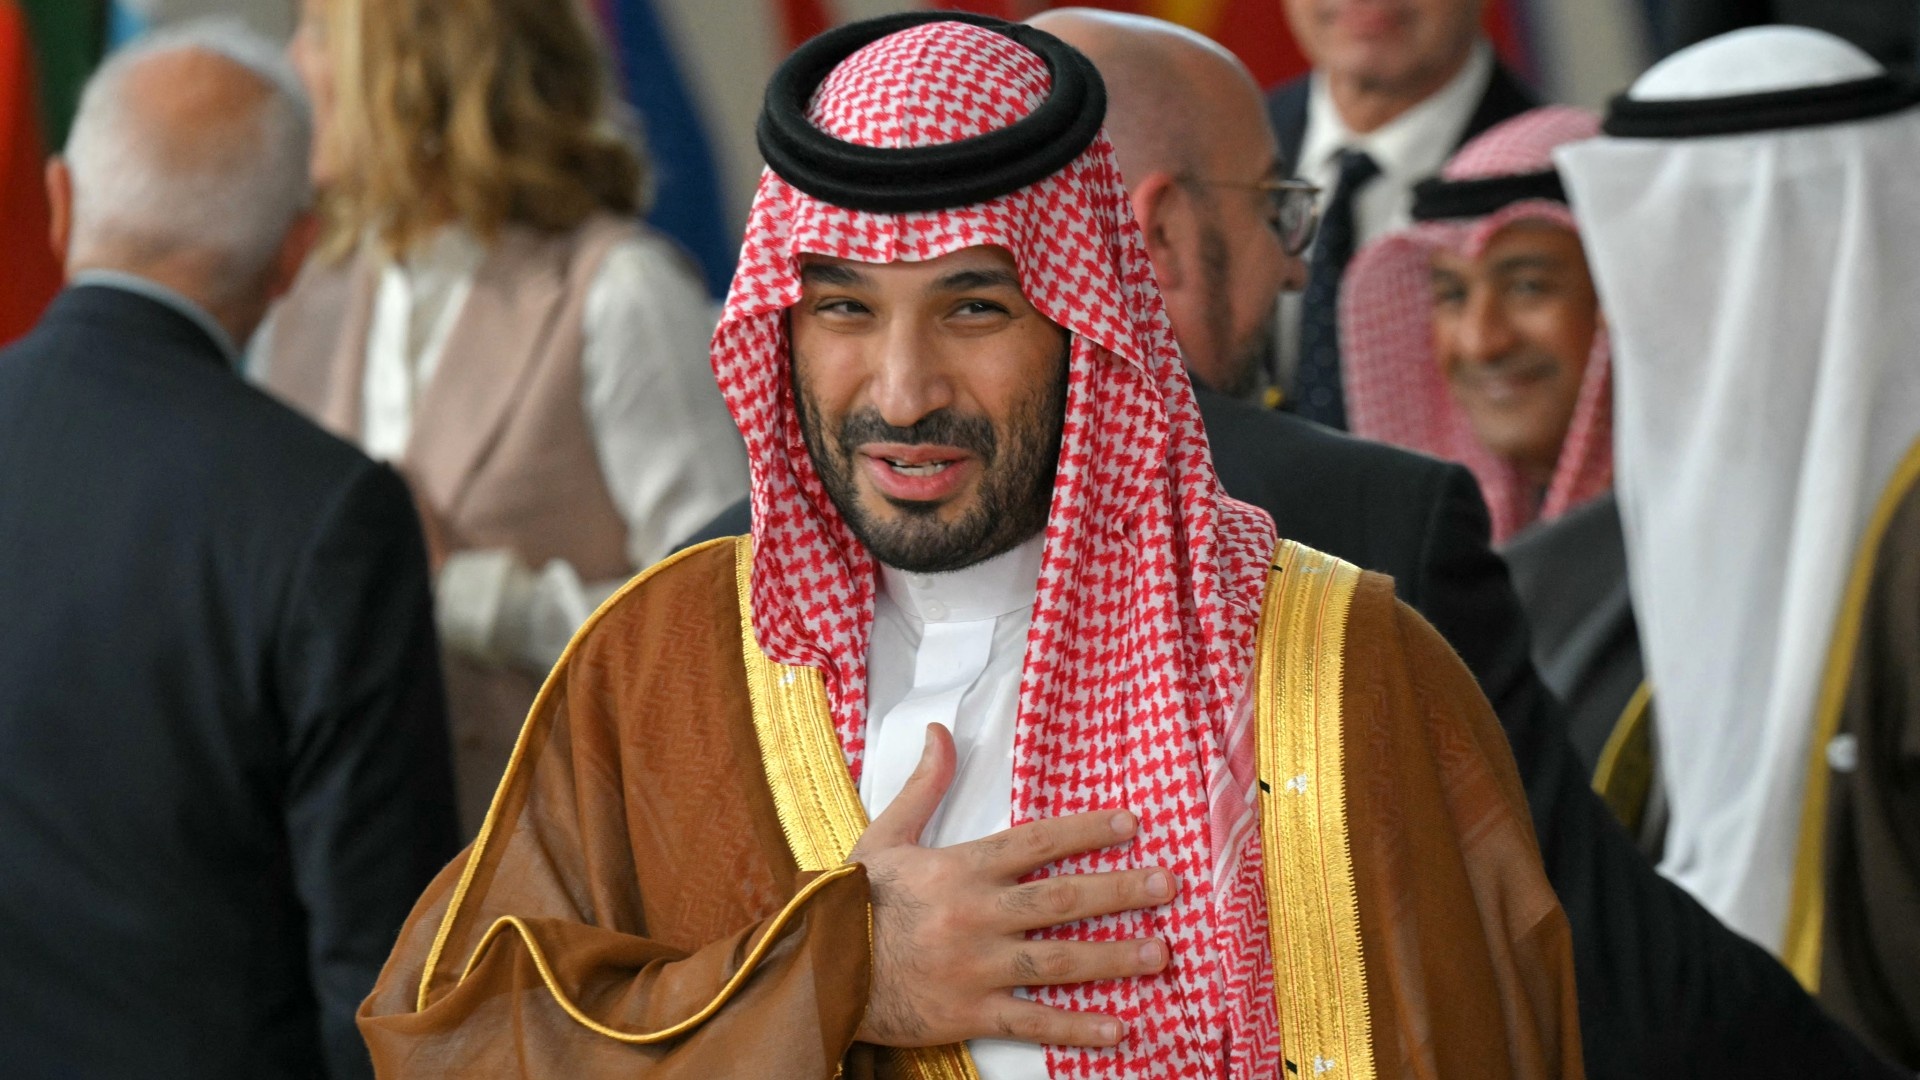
(1506, 385)
(1363, 21)
(917, 472)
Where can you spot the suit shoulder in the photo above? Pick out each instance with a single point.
(1289, 91)
(690, 594)
(287, 460)
(1250, 432)
(1590, 527)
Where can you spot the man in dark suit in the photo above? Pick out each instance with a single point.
(1393, 93)
(1665, 990)
(224, 772)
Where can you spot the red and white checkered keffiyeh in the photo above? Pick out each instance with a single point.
(1395, 391)
(1144, 626)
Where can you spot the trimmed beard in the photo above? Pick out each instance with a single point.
(1243, 360)
(1013, 499)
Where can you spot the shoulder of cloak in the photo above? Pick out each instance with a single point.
(675, 622)
(691, 591)
(1469, 957)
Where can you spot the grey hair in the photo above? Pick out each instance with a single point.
(233, 197)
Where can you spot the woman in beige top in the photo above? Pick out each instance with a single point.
(487, 313)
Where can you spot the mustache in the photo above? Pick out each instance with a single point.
(941, 428)
(1515, 362)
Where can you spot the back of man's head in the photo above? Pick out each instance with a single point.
(1190, 134)
(1174, 96)
(189, 153)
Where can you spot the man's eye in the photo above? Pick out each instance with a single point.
(839, 307)
(1530, 288)
(1448, 296)
(979, 307)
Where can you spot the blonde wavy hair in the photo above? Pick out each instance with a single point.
(485, 112)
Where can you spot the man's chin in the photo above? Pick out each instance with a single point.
(927, 538)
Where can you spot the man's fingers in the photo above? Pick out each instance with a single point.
(1019, 851)
(906, 817)
(1055, 963)
(1024, 1021)
(1072, 897)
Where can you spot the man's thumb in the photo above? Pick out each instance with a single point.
(906, 817)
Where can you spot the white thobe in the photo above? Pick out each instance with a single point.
(949, 649)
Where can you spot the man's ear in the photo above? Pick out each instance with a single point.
(60, 203)
(1160, 209)
(294, 249)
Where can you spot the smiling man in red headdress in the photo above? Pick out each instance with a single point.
(1152, 793)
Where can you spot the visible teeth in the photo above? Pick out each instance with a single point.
(927, 469)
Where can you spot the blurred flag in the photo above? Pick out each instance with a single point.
(31, 274)
(688, 201)
(126, 20)
(802, 19)
(66, 36)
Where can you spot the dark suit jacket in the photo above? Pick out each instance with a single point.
(1506, 98)
(1666, 991)
(224, 771)
(1571, 575)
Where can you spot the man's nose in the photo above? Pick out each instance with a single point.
(1484, 334)
(910, 382)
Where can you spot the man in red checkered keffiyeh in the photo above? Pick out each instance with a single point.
(996, 600)
(1474, 334)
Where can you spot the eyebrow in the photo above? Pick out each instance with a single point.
(969, 280)
(842, 276)
(831, 274)
(1513, 263)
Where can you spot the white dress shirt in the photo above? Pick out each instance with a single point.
(666, 445)
(949, 649)
(1409, 148)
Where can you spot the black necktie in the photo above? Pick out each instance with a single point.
(1316, 381)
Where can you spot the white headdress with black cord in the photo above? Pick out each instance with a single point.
(1753, 232)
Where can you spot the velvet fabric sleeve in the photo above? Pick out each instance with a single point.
(1469, 959)
(630, 909)
(1870, 956)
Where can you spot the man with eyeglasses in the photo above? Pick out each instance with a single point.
(1395, 89)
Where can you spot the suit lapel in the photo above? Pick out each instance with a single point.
(1505, 99)
(509, 314)
(1287, 112)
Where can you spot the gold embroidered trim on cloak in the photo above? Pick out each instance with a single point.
(1313, 913)
(813, 792)
(510, 922)
(1623, 777)
(760, 947)
(547, 689)
(1808, 901)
